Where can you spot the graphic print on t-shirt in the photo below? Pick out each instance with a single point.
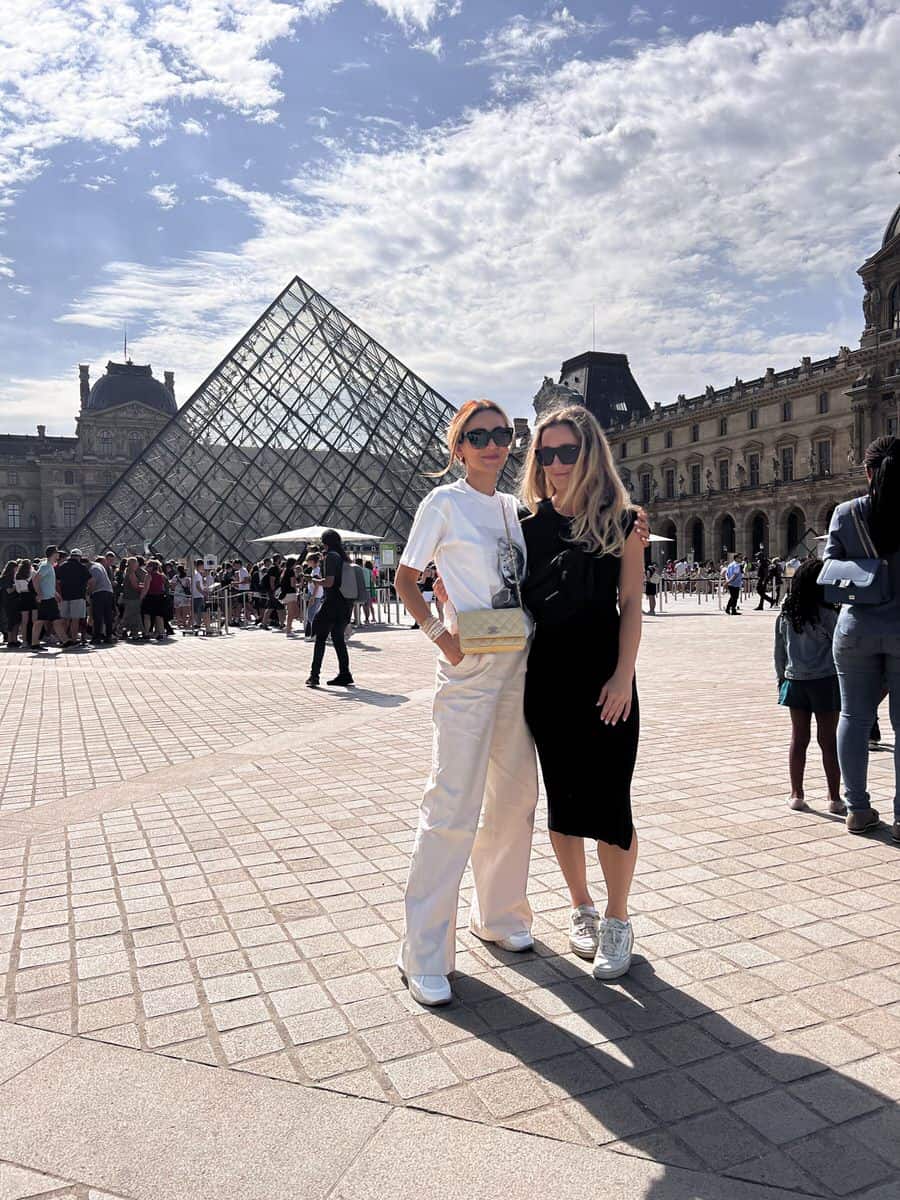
(511, 564)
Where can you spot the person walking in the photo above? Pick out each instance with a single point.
(586, 569)
(867, 640)
(808, 682)
(100, 591)
(762, 583)
(480, 799)
(334, 615)
(734, 581)
(651, 587)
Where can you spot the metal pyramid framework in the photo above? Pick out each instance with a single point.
(307, 421)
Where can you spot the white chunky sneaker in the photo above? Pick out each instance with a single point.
(517, 942)
(430, 990)
(584, 931)
(613, 956)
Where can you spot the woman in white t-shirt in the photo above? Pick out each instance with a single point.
(482, 793)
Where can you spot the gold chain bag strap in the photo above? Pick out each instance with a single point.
(495, 630)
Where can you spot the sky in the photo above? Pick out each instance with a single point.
(469, 180)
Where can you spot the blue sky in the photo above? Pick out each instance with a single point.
(465, 178)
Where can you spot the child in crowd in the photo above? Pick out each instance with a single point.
(807, 681)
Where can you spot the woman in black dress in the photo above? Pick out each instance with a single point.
(584, 586)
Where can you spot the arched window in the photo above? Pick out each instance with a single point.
(13, 515)
(894, 307)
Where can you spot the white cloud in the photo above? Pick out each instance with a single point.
(434, 46)
(638, 15)
(697, 191)
(410, 12)
(107, 72)
(357, 64)
(194, 128)
(522, 42)
(165, 195)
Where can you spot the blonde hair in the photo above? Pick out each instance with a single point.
(457, 427)
(596, 494)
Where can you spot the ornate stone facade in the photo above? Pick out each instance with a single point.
(47, 484)
(762, 463)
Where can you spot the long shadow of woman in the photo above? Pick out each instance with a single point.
(650, 1071)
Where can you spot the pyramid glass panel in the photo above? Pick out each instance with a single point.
(307, 421)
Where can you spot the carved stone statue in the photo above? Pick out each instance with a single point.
(872, 304)
(811, 458)
(852, 449)
(776, 468)
(741, 474)
(654, 489)
(709, 481)
(681, 492)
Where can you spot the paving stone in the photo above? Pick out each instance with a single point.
(780, 1117)
(839, 1161)
(671, 1096)
(423, 1073)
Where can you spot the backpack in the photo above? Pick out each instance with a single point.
(348, 585)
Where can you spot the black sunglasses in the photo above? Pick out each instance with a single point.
(479, 438)
(566, 454)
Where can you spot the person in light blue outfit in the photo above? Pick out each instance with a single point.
(867, 639)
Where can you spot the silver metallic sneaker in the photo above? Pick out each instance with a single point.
(613, 956)
(584, 931)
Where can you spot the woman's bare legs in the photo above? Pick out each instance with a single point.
(616, 864)
(618, 871)
(569, 853)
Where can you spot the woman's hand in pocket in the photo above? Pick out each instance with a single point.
(615, 699)
(449, 644)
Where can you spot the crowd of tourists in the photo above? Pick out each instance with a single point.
(72, 600)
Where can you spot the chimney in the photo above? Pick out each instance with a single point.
(42, 431)
(523, 433)
(84, 381)
(169, 377)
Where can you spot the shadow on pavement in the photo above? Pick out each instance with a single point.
(673, 1081)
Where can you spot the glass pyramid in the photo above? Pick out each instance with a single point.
(307, 421)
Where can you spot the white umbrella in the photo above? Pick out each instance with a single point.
(655, 537)
(313, 533)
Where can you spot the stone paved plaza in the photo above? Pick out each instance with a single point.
(201, 872)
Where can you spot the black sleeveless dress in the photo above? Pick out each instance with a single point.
(587, 766)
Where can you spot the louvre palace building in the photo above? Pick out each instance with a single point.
(309, 421)
(47, 484)
(762, 463)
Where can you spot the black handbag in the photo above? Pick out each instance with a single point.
(863, 580)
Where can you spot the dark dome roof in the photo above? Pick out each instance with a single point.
(128, 383)
(893, 229)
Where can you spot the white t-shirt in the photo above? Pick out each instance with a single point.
(680, 569)
(198, 588)
(243, 579)
(316, 590)
(462, 532)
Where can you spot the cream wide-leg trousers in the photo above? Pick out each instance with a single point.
(478, 803)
